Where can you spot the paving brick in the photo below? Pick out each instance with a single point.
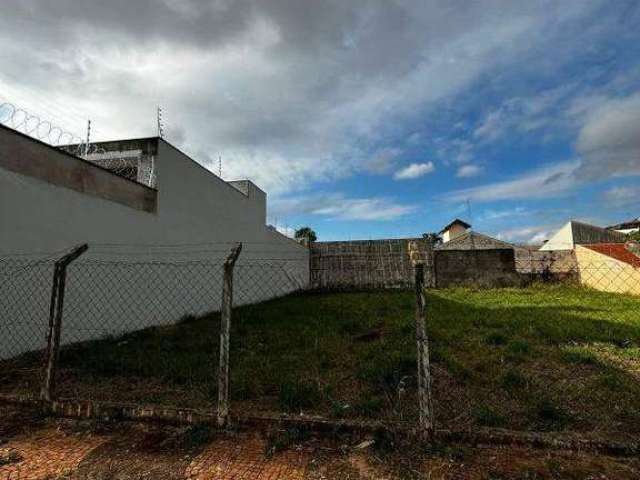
(245, 459)
(48, 454)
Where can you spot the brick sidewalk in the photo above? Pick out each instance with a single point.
(48, 449)
(51, 454)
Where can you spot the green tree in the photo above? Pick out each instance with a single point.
(306, 233)
(634, 236)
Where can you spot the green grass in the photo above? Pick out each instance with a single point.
(544, 357)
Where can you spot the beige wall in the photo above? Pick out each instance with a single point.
(605, 273)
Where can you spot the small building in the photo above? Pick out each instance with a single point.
(528, 259)
(470, 240)
(454, 230)
(578, 233)
(628, 227)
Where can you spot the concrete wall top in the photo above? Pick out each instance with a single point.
(41, 211)
(24, 155)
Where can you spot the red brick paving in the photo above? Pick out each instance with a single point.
(48, 454)
(246, 460)
(52, 453)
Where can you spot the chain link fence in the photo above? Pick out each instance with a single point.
(143, 326)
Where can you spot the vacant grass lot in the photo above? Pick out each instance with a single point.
(545, 357)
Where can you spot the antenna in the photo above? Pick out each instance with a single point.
(469, 216)
(160, 125)
(86, 144)
(220, 166)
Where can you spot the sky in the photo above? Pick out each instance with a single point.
(361, 119)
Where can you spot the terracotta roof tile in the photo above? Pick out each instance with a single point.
(617, 251)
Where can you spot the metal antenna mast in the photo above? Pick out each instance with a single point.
(220, 166)
(159, 119)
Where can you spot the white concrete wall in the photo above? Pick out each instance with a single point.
(131, 277)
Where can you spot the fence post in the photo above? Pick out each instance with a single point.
(56, 307)
(225, 327)
(426, 426)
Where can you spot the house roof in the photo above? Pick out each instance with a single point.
(454, 222)
(474, 241)
(617, 251)
(635, 223)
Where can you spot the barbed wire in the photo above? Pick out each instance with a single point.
(21, 120)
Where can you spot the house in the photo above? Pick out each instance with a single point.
(609, 267)
(470, 240)
(453, 230)
(133, 202)
(578, 233)
(627, 227)
(528, 259)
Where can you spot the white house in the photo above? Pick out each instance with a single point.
(578, 233)
(453, 230)
(630, 226)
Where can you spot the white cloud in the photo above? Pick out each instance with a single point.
(469, 171)
(415, 170)
(383, 160)
(533, 235)
(289, 96)
(609, 140)
(340, 207)
(501, 214)
(550, 181)
(622, 196)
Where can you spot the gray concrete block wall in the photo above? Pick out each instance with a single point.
(484, 268)
(367, 264)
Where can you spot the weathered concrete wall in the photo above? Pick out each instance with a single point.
(130, 278)
(368, 264)
(556, 265)
(484, 268)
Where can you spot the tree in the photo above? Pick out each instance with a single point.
(305, 233)
(634, 236)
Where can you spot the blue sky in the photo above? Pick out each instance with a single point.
(360, 119)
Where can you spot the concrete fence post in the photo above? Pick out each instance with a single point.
(225, 327)
(426, 423)
(56, 309)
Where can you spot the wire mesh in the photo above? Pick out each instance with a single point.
(141, 325)
(25, 290)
